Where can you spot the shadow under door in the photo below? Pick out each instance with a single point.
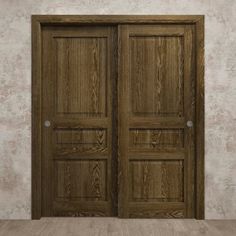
(118, 114)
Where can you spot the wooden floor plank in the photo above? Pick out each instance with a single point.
(116, 227)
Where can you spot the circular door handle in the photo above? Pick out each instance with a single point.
(47, 123)
(189, 123)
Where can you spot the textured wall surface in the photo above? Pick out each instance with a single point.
(15, 93)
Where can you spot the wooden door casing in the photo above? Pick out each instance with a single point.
(155, 148)
(156, 99)
(79, 153)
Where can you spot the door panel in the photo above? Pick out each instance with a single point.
(156, 99)
(74, 183)
(152, 139)
(86, 59)
(79, 157)
(156, 66)
(156, 180)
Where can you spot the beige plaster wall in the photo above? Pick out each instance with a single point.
(15, 93)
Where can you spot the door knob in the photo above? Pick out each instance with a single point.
(47, 123)
(189, 123)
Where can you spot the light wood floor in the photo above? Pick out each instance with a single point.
(115, 227)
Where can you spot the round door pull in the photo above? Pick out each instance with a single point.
(189, 123)
(47, 123)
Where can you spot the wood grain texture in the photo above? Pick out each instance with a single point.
(116, 19)
(123, 98)
(156, 138)
(200, 111)
(189, 114)
(160, 181)
(48, 70)
(156, 83)
(73, 183)
(156, 66)
(82, 141)
(36, 119)
(172, 35)
(85, 58)
(83, 136)
(78, 170)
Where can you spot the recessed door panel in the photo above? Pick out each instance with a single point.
(81, 180)
(159, 181)
(156, 71)
(81, 75)
(152, 139)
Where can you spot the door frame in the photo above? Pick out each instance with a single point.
(38, 21)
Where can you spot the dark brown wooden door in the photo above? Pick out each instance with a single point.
(79, 141)
(156, 113)
(118, 146)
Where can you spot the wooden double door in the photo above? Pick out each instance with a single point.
(118, 115)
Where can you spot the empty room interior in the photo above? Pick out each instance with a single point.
(118, 117)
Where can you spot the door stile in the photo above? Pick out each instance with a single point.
(123, 120)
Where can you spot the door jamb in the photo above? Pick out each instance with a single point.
(38, 21)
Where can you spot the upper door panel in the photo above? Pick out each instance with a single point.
(82, 76)
(156, 75)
